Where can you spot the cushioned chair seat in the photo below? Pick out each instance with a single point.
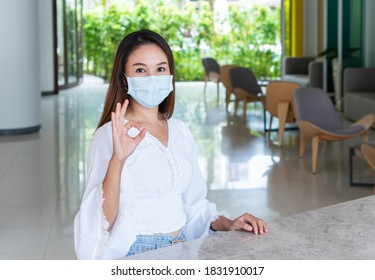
(349, 130)
(302, 80)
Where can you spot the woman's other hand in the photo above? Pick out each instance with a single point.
(249, 222)
(246, 222)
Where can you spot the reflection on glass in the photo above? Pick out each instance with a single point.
(71, 28)
(352, 33)
(60, 42)
(69, 41)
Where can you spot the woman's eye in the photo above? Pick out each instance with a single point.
(140, 70)
(161, 69)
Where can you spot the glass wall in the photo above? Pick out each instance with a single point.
(350, 41)
(352, 33)
(69, 43)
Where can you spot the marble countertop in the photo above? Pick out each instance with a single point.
(345, 231)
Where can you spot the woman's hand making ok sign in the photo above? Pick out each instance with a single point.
(123, 144)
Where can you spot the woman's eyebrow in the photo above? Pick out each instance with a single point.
(138, 64)
(142, 64)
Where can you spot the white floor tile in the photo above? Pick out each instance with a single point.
(21, 216)
(16, 240)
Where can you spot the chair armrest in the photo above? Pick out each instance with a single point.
(297, 65)
(316, 74)
(366, 121)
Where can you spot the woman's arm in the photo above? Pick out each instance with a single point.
(123, 146)
(111, 191)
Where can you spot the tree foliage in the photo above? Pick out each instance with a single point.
(245, 37)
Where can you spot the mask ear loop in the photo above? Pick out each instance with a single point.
(125, 83)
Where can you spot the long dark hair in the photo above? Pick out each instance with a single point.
(117, 86)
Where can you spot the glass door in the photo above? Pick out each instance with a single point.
(350, 40)
(69, 43)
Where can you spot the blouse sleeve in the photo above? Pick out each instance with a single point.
(199, 211)
(90, 225)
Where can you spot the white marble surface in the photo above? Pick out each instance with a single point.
(345, 231)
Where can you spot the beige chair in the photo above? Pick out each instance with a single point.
(279, 103)
(225, 79)
(368, 152)
(318, 119)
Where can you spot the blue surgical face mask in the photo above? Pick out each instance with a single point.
(150, 91)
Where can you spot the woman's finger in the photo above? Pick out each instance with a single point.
(118, 112)
(124, 108)
(261, 226)
(257, 224)
(140, 136)
(247, 226)
(254, 224)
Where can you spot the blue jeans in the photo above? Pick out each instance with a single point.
(145, 243)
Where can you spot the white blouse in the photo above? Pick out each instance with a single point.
(162, 189)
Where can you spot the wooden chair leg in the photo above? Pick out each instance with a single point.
(235, 106)
(315, 146)
(227, 100)
(282, 111)
(270, 126)
(244, 107)
(302, 145)
(205, 84)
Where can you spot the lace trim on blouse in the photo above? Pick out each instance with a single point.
(175, 170)
(104, 228)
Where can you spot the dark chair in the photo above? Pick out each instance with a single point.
(211, 73)
(245, 88)
(317, 118)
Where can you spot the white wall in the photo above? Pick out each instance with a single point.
(19, 71)
(45, 23)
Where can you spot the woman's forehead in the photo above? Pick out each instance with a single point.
(149, 54)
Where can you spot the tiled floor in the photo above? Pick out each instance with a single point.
(42, 176)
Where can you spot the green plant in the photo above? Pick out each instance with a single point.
(192, 34)
(332, 53)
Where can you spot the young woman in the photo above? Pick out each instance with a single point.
(144, 188)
